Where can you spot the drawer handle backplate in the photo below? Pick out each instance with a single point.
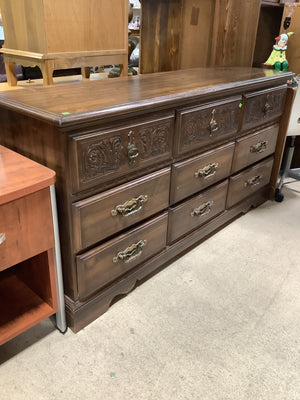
(267, 107)
(132, 150)
(207, 171)
(131, 253)
(213, 125)
(259, 147)
(2, 238)
(130, 207)
(253, 181)
(203, 209)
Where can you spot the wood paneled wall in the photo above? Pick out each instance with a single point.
(235, 27)
(160, 35)
(196, 33)
(293, 46)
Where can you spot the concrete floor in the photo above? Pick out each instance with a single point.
(221, 323)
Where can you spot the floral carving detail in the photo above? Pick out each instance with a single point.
(154, 140)
(119, 153)
(101, 157)
(196, 125)
(256, 106)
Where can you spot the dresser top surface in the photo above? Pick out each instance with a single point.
(69, 103)
(20, 176)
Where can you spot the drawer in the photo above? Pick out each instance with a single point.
(108, 155)
(249, 181)
(100, 216)
(253, 148)
(203, 126)
(195, 174)
(26, 228)
(196, 211)
(263, 106)
(105, 263)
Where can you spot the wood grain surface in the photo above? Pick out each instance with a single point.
(235, 26)
(69, 103)
(20, 176)
(293, 48)
(27, 224)
(160, 35)
(54, 26)
(196, 33)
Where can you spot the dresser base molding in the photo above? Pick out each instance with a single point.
(80, 314)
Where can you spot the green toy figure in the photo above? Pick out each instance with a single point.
(277, 57)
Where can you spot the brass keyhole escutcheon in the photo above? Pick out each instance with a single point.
(213, 125)
(132, 150)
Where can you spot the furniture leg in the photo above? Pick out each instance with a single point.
(10, 72)
(47, 69)
(85, 72)
(124, 67)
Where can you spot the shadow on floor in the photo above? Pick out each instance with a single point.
(25, 340)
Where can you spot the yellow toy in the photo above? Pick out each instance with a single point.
(277, 57)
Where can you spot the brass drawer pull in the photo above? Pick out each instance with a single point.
(203, 209)
(267, 107)
(253, 181)
(213, 125)
(131, 253)
(207, 171)
(132, 150)
(2, 238)
(130, 207)
(260, 147)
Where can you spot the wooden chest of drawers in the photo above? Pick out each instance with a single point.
(147, 167)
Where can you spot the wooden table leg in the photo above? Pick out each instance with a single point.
(124, 67)
(10, 72)
(85, 72)
(47, 68)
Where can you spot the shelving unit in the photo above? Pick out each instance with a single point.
(268, 28)
(30, 268)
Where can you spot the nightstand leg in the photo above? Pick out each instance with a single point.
(10, 72)
(85, 72)
(60, 315)
(47, 69)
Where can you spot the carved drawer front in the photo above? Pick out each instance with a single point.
(105, 263)
(203, 126)
(112, 154)
(196, 211)
(103, 215)
(195, 174)
(249, 181)
(262, 107)
(26, 228)
(253, 148)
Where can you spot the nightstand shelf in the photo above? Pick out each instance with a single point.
(21, 307)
